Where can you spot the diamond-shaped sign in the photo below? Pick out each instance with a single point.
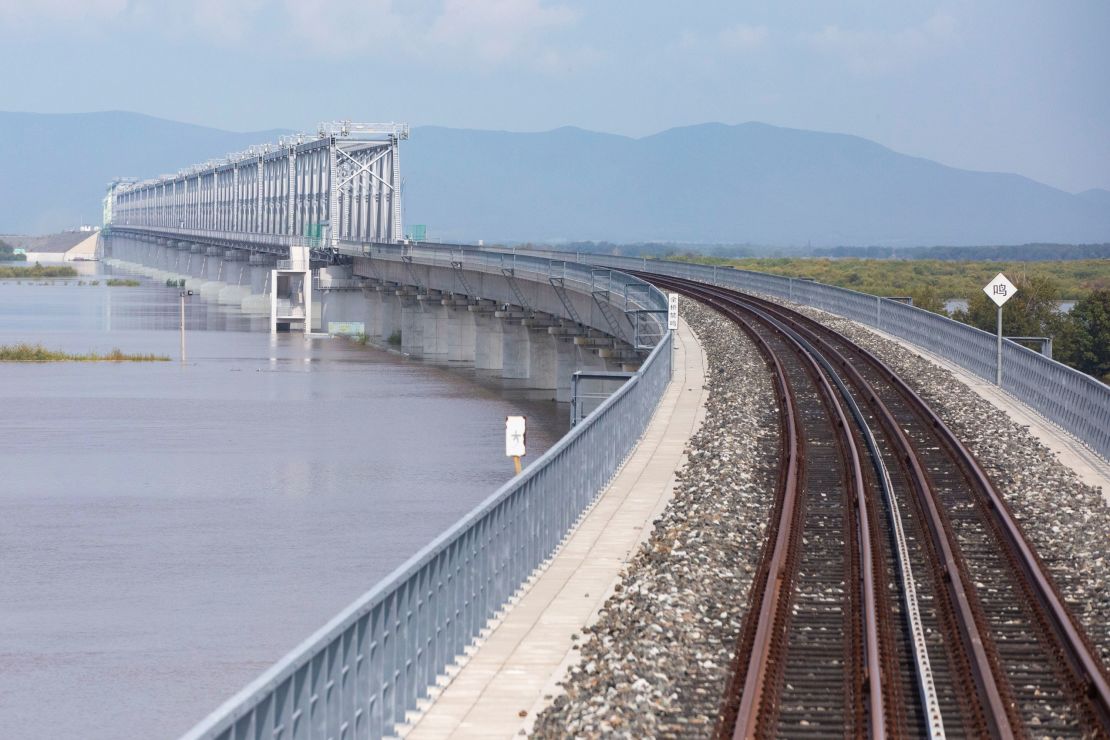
(1000, 289)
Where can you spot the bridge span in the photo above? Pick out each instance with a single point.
(535, 317)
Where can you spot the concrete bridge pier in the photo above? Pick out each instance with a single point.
(515, 355)
(436, 345)
(372, 300)
(214, 272)
(412, 323)
(237, 278)
(389, 315)
(543, 364)
(566, 363)
(180, 259)
(349, 304)
(196, 268)
(258, 269)
(461, 331)
(380, 306)
(488, 343)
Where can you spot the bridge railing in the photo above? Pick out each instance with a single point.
(359, 674)
(625, 292)
(1076, 402)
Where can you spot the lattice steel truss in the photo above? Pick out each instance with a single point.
(342, 183)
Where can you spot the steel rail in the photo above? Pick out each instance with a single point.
(785, 498)
(1075, 646)
(998, 716)
(755, 701)
(1072, 644)
(922, 664)
(870, 619)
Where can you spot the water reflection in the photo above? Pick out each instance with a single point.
(168, 531)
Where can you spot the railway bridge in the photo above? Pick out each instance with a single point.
(896, 589)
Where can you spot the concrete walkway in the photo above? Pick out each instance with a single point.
(1091, 469)
(510, 676)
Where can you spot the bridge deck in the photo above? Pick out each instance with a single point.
(531, 647)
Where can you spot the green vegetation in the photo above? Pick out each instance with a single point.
(395, 337)
(37, 353)
(122, 283)
(1084, 339)
(7, 253)
(998, 253)
(361, 338)
(933, 281)
(38, 271)
(1081, 338)
(171, 283)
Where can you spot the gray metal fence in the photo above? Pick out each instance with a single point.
(1073, 400)
(358, 675)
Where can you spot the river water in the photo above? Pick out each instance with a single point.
(168, 531)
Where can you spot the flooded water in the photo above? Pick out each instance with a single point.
(168, 531)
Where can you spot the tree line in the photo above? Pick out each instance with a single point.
(1080, 337)
(7, 253)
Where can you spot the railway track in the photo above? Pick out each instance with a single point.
(896, 595)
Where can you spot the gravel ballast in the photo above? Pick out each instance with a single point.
(656, 662)
(1067, 521)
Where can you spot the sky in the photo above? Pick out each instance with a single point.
(1000, 85)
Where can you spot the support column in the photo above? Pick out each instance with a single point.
(460, 334)
(487, 339)
(412, 326)
(237, 277)
(214, 273)
(390, 319)
(436, 341)
(195, 267)
(566, 363)
(542, 362)
(372, 299)
(515, 354)
(259, 269)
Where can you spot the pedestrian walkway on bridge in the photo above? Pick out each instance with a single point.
(500, 685)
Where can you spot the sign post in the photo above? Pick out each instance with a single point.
(999, 290)
(515, 430)
(184, 294)
(672, 311)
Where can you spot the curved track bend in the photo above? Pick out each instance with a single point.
(897, 595)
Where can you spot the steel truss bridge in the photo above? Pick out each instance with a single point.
(342, 183)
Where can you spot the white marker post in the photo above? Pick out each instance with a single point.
(672, 311)
(515, 431)
(999, 290)
(184, 294)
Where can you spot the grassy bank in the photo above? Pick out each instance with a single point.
(37, 353)
(37, 271)
(948, 279)
(122, 283)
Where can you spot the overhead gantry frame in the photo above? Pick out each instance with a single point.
(345, 183)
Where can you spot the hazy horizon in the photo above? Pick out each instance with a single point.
(988, 86)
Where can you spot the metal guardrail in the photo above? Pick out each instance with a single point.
(360, 673)
(1073, 400)
(646, 317)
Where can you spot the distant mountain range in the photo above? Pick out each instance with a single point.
(712, 183)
